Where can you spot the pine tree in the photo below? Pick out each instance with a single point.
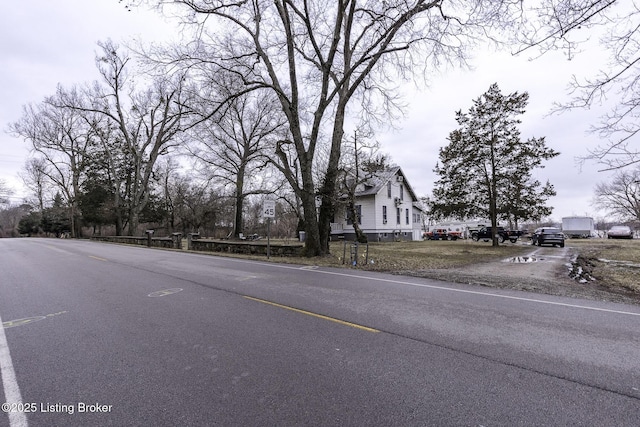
(485, 170)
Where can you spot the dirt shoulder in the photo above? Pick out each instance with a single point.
(551, 271)
(595, 269)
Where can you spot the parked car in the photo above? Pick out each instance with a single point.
(442, 234)
(484, 233)
(548, 236)
(620, 232)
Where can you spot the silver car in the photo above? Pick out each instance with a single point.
(620, 232)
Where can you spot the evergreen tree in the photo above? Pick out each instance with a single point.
(96, 203)
(485, 170)
(56, 219)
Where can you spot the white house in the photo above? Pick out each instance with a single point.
(388, 210)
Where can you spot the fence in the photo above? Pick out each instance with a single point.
(244, 247)
(194, 243)
(155, 242)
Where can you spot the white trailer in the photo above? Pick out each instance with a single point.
(578, 226)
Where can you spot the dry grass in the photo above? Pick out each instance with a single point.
(403, 256)
(613, 262)
(413, 256)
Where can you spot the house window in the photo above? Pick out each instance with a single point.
(384, 214)
(406, 216)
(358, 209)
(389, 189)
(401, 192)
(398, 213)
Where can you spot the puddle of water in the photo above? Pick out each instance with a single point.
(521, 260)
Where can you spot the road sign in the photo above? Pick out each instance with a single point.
(269, 209)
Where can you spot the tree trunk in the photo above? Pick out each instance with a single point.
(118, 224)
(133, 222)
(72, 220)
(312, 239)
(493, 193)
(360, 236)
(327, 211)
(118, 214)
(494, 219)
(328, 191)
(238, 222)
(78, 225)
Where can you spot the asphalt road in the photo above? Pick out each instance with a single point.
(101, 334)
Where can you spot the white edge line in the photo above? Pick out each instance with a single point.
(444, 288)
(420, 285)
(466, 291)
(9, 382)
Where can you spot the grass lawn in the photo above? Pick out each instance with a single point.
(422, 255)
(419, 255)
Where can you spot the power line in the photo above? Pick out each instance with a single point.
(11, 162)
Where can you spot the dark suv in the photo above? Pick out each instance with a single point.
(548, 236)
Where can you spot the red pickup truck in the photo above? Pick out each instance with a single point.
(442, 234)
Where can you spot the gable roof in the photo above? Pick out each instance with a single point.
(374, 184)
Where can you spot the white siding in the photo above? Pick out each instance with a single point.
(417, 214)
(382, 199)
(371, 211)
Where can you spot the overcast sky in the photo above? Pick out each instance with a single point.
(44, 42)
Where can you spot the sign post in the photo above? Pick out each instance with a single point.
(268, 212)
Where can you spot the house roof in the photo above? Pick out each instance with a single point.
(374, 184)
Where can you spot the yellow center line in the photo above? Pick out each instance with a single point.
(98, 258)
(319, 316)
(53, 248)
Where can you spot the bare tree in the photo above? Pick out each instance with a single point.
(325, 61)
(168, 178)
(361, 161)
(198, 206)
(568, 25)
(10, 217)
(143, 122)
(5, 192)
(61, 139)
(35, 178)
(233, 145)
(621, 196)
